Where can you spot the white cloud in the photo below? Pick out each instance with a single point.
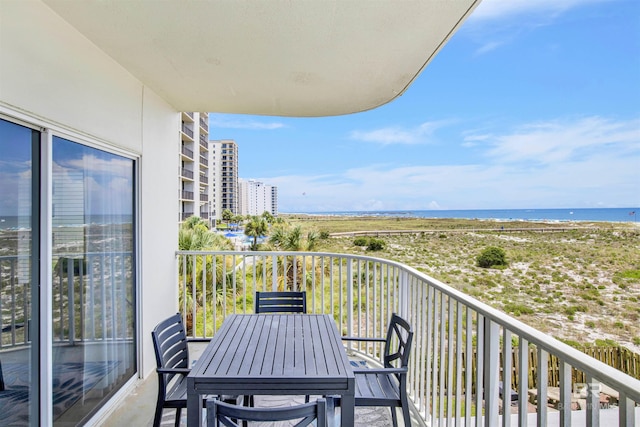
(397, 135)
(492, 10)
(92, 164)
(495, 23)
(567, 140)
(237, 123)
(586, 162)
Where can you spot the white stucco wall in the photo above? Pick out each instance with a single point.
(52, 76)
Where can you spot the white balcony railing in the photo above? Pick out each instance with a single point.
(463, 349)
(87, 277)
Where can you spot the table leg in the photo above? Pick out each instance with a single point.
(194, 406)
(347, 409)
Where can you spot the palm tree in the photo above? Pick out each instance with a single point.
(268, 217)
(227, 216)
(194, 235)
(288, 238)
(255, 228)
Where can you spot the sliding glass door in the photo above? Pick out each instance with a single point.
(88, 307)
(93, 277)
(18, 289)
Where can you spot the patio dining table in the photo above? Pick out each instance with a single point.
(270, 354)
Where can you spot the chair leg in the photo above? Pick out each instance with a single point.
(394, 417)
(158, 416)
(178, 414)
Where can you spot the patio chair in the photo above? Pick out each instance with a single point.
(281, 302)
(220, 413)
(172, 358)
(387, 386)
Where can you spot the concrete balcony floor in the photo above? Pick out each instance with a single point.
(139, 406)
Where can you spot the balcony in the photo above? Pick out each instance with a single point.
(204, 125)
(461, 353)
(187, 131)
(186, 173)
(187, 152)
(204, 197)
(463, 349)
(203, 142)
(204, 161)
(185, 195)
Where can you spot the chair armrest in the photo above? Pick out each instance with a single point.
(184, 371)
(363, 339)
(381, 371)
(198, 339)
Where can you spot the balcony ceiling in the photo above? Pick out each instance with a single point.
(283, 58)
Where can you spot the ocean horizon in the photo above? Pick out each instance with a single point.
(558, 214)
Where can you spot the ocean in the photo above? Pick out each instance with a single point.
(12, 222)
(560, 215)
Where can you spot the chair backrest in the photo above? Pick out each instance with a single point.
(281, 302)
(398, 344)
(170, 346)
(230, 415)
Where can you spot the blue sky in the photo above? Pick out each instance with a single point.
(532, 104)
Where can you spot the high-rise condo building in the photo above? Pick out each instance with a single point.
(255, 197)
(194, 191)
(224, 161)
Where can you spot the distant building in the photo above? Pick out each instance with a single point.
(256, 197)
(194, 191)
(224, 161)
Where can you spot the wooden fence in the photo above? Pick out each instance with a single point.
(620, 358)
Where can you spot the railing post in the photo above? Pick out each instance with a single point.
(506, 377)
(542, 380)
(350, 298)
(627, 409)
(491, 373)
(565, 394)
(593, 402)
(274, 273)
(403, 290)
(523, 381)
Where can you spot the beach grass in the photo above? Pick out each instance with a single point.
(578, 281)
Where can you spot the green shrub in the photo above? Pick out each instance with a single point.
(324, 235)
(492, 257)
(517, 309)
(361, 241)
(375, 245)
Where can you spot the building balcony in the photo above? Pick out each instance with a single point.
(204, 197)
(463, 350)
(204, 125)
(185, 215)
(204, 161)
(186, 152)
(186, 173)
(187, 131)
(203, 142)
(185, 195)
